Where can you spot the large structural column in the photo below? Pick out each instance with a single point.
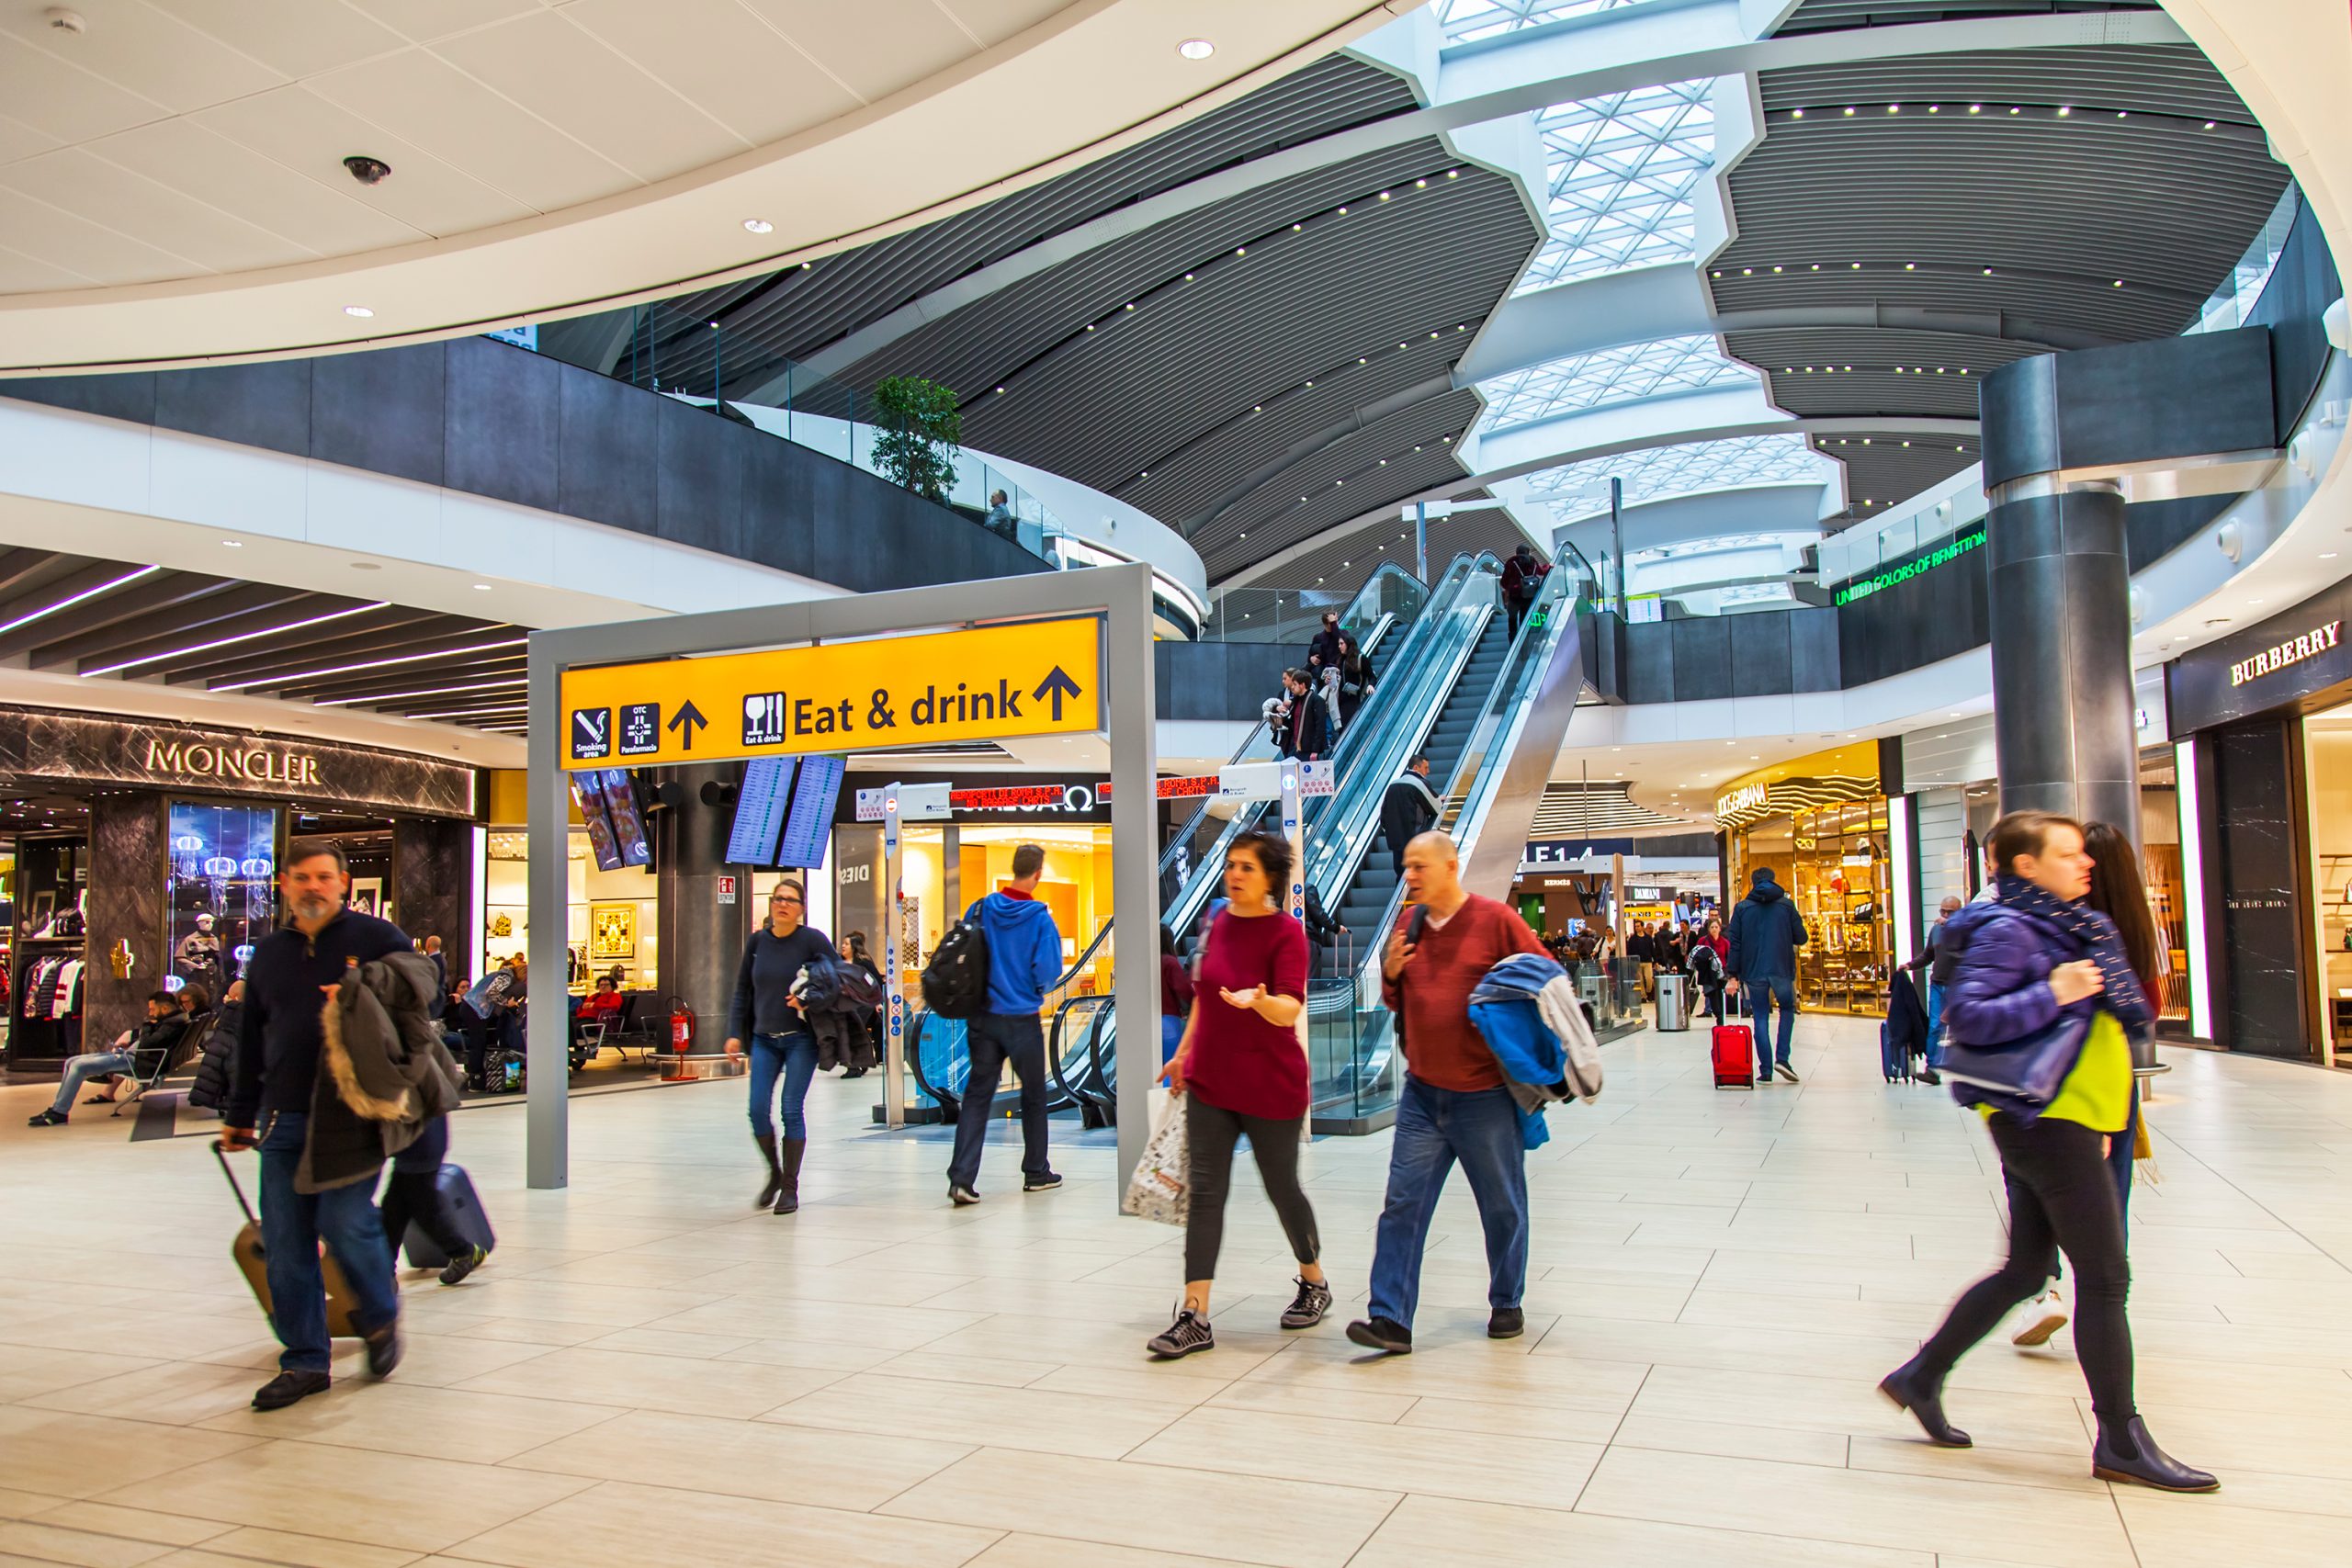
(2061, 602)
(702, 939)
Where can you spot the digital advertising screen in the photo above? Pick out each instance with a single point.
(629, 823)
(588, 794)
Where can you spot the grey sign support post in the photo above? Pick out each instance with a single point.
(1121, 594)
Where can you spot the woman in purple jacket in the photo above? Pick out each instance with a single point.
(2036, 958)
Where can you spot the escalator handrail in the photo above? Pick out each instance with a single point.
(1389, 697)
(1054, 1067)
(945, 1099)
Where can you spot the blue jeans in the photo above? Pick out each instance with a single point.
(1435, 1127)
(81, 1070)
(1935, 1025)
(792, 1057)
(1760, 995)
(292, 1225)
(1172, 1034)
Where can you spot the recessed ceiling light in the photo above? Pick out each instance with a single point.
(366, 566)
(481, 587)
(759, 225)
(235, 544)
(357, 310)
(1196, 48)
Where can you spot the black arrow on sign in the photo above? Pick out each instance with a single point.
(687, 719)
(1060, 685)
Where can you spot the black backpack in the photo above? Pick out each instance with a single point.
(956, 981)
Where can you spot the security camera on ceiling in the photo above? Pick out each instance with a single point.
(367, 171)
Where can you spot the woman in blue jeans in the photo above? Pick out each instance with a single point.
(765, 1011)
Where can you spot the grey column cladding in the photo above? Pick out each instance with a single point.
(702, 939)
(2061, 590)
(433, 886)
(2265, 929)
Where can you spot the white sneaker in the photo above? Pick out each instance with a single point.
(2045, 1315)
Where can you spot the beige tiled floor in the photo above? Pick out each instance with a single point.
(651, 1372)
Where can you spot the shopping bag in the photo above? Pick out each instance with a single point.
(1156, 1192)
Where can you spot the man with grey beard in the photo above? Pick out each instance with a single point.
(271, 1088)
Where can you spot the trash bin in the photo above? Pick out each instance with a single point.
(1673, 1000)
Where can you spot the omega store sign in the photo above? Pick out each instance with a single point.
(2300, 660)
(40, 743)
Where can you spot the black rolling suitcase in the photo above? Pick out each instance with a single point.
(1892, 1059)
(463, 1206)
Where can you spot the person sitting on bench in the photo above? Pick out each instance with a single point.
(165, 1023)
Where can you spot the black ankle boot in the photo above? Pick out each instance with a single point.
(2146, 1464)
(1912, 1387)
(775, 1171)
(788, 1198)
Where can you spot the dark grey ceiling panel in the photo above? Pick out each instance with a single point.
(1351, 555)
(797, 312)
(1830, 16)
(1830, 372)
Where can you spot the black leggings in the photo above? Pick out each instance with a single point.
(413, 1194)
(1210, 1134)
(2061, 1196)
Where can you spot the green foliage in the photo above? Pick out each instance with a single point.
(918, 435)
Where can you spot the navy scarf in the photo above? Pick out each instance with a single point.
(2093, 934)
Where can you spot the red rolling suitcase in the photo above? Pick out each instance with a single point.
(1733, 1046)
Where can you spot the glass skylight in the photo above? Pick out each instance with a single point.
(1611, 376)
(1579, 490)
(1466, 21)
(1622, 168)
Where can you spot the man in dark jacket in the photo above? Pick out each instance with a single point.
(1766, 931)
(1408, 810)
(277, 1074)
(1306, 731)
(162, 1031)
(1940, 957)
(1024, 961)
(1323, 651)
(1522, 580)
(213, 1068)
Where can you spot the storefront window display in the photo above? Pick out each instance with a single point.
(218, 897)
(613, 921)
(1822, 826)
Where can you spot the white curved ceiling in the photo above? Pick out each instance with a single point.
(173, 188)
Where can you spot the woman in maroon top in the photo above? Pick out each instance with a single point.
(1175, 995)
(1241, 1069)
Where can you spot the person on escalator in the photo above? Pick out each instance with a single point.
(1323, 651)
(1356, 679)
(1240, 1071)
(1305, 733)
(1408, 810)
(1025, 963)
(1175, 993)
(1322, 930)
(1522, 580)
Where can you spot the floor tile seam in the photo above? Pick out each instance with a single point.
(1398, 1423)
(163, 1549)
(707, 1491)
(1969, 1481)
(617, 1413)
(1758, 1529)
(1373, 1534)
(148, 1366)
(964, 1383)
(1623, 1416)
(1178, 1465)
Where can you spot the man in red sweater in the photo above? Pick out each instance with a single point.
(1455, 1105)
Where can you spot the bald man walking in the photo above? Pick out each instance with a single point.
(1454, 1104)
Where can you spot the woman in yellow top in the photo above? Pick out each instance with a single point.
(2039, 965)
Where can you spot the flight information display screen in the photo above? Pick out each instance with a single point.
(811, 821)
(759, 809)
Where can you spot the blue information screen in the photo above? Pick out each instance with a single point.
(759, 811)
(811, 821)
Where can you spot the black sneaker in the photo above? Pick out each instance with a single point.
(464, 1264)
(286, 1387)
(962, 1197)
(1189, 1334)
(1786, 1071)
(384, 1350)
(1306, 1308)
(50, 1118)
(1044, 1183)
(1506, 1322)
(1382, 1334)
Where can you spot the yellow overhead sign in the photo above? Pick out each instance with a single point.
(995, 683)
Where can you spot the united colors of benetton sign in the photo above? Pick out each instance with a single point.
(990, 683)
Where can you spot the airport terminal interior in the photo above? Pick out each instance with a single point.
(1725, 614)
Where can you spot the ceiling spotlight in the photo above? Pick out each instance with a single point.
(2063, 110)
(2017, 111)
(1850, 109)
(759, 225)
(1196, 48)
(235, 544)
(1976, 108)
(2210, 124)
(1796, 114)
(481, 587)
(357, 310)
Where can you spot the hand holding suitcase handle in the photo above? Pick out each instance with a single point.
(236, 1140)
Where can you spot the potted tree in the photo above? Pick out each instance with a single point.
(918, 433)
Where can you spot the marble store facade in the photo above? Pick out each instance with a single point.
(145, 852)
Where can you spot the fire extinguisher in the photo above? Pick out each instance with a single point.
(682, 1026)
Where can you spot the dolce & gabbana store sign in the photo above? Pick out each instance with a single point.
(37, 743)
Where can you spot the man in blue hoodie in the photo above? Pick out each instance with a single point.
(1025, 962)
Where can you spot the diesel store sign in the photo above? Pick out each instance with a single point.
(40, 743)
